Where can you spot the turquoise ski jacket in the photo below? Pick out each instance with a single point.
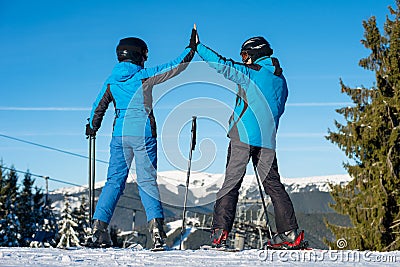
(261, 97)
(129, 88)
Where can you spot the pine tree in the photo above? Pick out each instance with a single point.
(3, 213)
(10, 225)
(47, 233)
(371, 140)
(50, 221)
(81, 217)
(67, 232)
(25, 211)
(38, 208)
(3, 194)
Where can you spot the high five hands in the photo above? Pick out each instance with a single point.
(194, 38)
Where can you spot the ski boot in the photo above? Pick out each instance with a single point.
(287, 240)
(158, 236)
(100, 237)
(219, 238)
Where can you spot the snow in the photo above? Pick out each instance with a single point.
(200, 182)
(172, 226)
(317, 183)
(134, 257)
(203, 186)
(188, 231)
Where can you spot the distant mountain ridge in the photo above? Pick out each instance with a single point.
(310, 197)
(309, 194)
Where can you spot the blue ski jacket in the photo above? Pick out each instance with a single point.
(261, 97)
(129, 88)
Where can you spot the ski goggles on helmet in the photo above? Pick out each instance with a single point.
(245, 56)
(145, 53)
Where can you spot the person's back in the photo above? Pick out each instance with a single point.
(129, 88)
(272, 83)
(260, 102)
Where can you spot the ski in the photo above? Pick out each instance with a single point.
(208, 247)
(159, 249)
(302, 246)
(70, 248)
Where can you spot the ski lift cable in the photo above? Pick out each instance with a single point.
(39, 176)
(57, 180)
(61, 151)
(50, 148)
(47, 177)
(53, 148)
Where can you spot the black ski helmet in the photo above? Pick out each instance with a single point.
(255, 48)
(132, 48)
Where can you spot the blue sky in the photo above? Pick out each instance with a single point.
(55, 56)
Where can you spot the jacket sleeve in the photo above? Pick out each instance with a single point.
(100, 106)
(236, 72)
(168, 70)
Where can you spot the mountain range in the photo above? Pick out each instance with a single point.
(310, 197)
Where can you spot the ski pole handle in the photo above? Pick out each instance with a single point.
(194, 129)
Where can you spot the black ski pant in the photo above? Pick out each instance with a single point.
(239, 155)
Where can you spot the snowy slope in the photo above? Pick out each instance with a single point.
(192, 258)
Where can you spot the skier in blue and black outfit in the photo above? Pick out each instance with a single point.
(129, 88)
(261, 96)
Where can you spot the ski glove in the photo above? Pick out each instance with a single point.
(194, 40)
(89, 131)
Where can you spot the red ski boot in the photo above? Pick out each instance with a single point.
(218, 238)
(287, 240)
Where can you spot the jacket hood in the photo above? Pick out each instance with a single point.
(264, 61)
(124, 71)
(271, 64)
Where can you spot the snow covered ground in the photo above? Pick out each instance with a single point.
(192, 258)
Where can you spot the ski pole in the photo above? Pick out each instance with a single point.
(263, 201)
(92, 175)
(192, 146)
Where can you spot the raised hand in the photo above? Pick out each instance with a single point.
(194, 38)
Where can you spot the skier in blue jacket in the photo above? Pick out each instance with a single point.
(261, 96)
(129, 88)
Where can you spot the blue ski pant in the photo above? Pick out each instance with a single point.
(122, 152)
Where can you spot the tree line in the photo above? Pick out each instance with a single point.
(27, 217)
